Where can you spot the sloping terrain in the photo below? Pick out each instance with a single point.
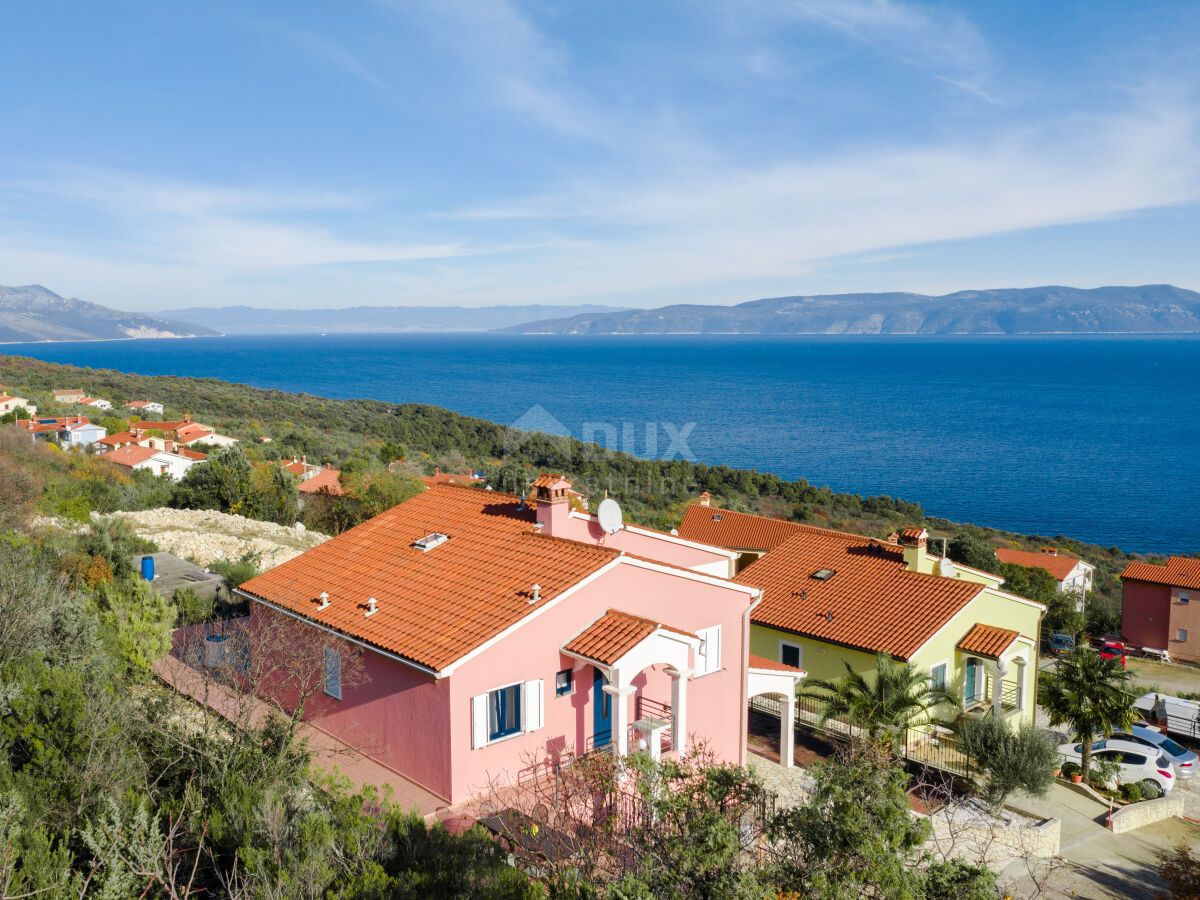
(34, 313)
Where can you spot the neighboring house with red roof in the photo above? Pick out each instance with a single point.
(440, 477)
(501, 637)
(71, 431)
(145, 406)
(1072, 573)
(314, 479)
(832, 599)
(96, 402)
(1160, 606)
(68, 396)
(160, 462)
(10, 403)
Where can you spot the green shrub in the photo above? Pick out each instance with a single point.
(1069, 769)
(1131, 793)
(191, 608)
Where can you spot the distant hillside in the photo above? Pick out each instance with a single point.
(251, 320)
(1158, 308)
(33, 313)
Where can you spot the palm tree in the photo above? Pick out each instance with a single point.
(898, 698)
(1090, 695)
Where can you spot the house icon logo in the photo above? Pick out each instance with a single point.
(536, 424)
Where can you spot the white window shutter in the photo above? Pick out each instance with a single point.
(479, 721)
(532, 705)
(710, 650)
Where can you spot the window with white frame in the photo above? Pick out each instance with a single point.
(564, 682)
(791, 654)
(1184, 597)
(333, 673)
(708, 657)
(506, 711)
(1181, 634)
(937, 677)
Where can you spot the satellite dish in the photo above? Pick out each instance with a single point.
(609, 516)
(946, 568)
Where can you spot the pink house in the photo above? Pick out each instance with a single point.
(499, 637)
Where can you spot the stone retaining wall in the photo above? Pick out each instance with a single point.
(1135, 815)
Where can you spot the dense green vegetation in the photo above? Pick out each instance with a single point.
(363, 435)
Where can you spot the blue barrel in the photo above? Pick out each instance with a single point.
(148, 568)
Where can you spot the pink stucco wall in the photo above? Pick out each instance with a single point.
(395, 714)
(651, 546)
(715, 704)
(1145, 614)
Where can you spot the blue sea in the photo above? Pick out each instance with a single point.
(1095, 437)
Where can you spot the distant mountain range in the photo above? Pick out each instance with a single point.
(252, 320)
(1158, 308)
(33, 313)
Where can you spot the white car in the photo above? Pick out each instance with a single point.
(1146, 767)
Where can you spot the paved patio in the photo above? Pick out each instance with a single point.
(329, 754)
(1103, 864)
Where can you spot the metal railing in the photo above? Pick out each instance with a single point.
(928, 745)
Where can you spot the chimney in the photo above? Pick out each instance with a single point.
(437, 470)
(553, 507)
(372, 607)
(535, 594)
(914, 541)
(324, 600)
(706, 499)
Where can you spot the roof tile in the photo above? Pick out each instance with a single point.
(438, 605)
(987, 640)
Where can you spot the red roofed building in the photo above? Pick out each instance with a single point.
(501, 637)
(832, 599)
(1071, 572)
(1160, 606)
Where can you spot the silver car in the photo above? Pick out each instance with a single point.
(1185, 761)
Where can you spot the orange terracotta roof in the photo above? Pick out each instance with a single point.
(613, 635)
(871, 602)
(57, 423)
(762, 662)
(451, 478)
(1180, 571)
(987, 640)
(129, 455)
(551, 481)
(190, 454)
(434, 606)
(745, 531)
(734, 530)
(327, 481)
(1058, 565)
(121, 437)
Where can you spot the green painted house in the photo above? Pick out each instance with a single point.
(831, 598)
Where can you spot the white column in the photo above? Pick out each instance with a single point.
(620, 715)
(997, 688)
(1020, 684)
(679, 680)
(787, 736)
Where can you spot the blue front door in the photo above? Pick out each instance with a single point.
(602, 711)
(969, 684)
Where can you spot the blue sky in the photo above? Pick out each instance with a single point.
(157, 155)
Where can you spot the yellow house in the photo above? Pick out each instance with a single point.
(831, 598)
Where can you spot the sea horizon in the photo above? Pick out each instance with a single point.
(1087, 436)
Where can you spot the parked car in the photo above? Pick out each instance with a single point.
(1179, 716)
(1061, 643)
(1113, 650)
(1185, 761)
(1146, 767)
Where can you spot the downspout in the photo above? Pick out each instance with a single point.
(744, 717)
(1037, 662)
